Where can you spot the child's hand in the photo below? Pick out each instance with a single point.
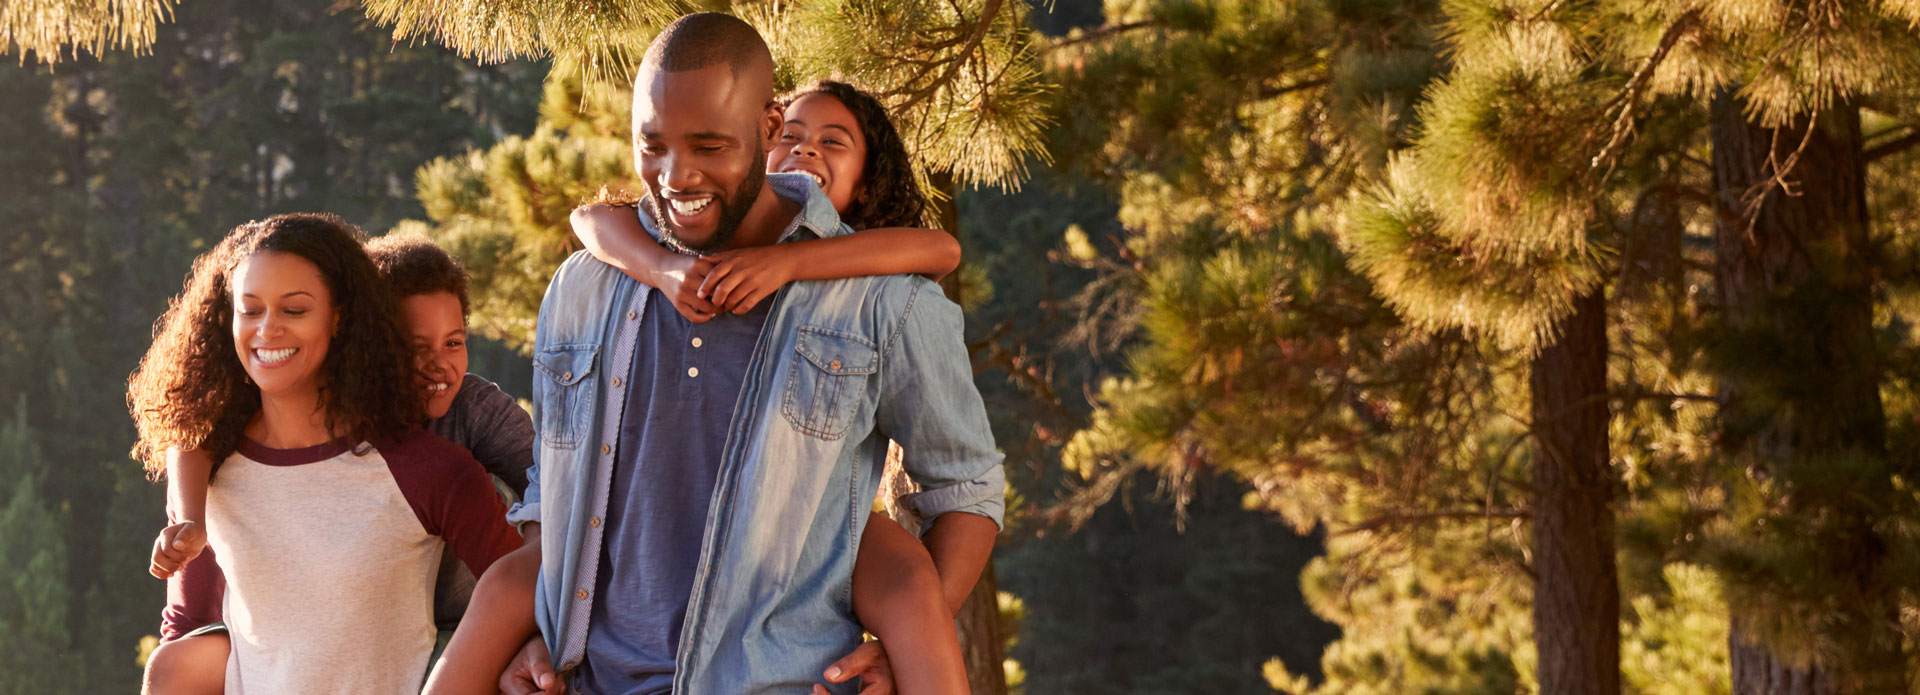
(175, 547)
(681, 283)
(742, 277)
(869, 662)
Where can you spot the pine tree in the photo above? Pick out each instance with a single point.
(1535, 128)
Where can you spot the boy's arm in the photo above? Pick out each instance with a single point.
(742, 277)
(612, 233)
(499, 619)
(187, 474)
(186, 532)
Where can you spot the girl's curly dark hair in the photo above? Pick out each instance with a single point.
(894, 198)
(191, 391)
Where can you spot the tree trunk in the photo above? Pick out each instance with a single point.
(1799, 396)
(1576, 597)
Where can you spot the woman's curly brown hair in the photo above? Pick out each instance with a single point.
(191, 391)
(893, 196)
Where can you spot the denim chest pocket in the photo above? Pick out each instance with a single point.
(566, 372)
(827, 380)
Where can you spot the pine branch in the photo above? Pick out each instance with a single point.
(52, 30)
(1623, 124)
(1100, 34)
(1893, 147)
(1398, 519)
(985, 22)
(1269, 92)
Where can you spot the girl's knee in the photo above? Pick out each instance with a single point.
(190, 666)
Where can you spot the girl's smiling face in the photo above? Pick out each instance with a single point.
(821, 138)
(283, 320)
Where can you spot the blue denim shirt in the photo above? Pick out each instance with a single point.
(841, 367)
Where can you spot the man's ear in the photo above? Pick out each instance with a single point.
(770, 125)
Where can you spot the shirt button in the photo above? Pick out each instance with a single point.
(606, 448)
(567, 376)
(633, 314)
(693, 371)
(594, 522)
(834, 364)
(696, 342)
(616, 382)
(582, 594)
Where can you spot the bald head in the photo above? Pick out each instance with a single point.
(703, 120)
(710, 38)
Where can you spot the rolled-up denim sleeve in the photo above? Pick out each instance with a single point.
(928, 404)
(528, 508)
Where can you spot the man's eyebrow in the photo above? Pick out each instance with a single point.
(710, 135)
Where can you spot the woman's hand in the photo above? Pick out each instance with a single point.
(681, 283)
(740, 278)
(175, 547)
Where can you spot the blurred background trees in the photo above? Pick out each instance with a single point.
(1350, 346)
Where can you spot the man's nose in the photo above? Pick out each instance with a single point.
(676, 175)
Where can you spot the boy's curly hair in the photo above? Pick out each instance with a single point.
(191, 390)
(894, 198)
(411, 265)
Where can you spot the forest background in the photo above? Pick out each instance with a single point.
(1336, 346)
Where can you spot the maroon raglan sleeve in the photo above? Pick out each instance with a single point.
(453, 497)
(194, 597)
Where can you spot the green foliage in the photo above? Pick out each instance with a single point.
(503, 211)
(1202, 609)
(1419, 617)
(118, 170)
(1675, 642)
(959, 76)
(53, 30)
(33, 599)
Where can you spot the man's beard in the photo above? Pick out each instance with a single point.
(733, 209)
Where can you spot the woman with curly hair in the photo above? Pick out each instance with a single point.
(286, 362)
(843, 140)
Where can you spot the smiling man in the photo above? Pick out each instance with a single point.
(701, 488)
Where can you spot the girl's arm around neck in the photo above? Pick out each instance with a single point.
(740, 278)
(612, 233)
(883, 251)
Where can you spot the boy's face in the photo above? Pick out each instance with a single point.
(700, 139)
(439, 334)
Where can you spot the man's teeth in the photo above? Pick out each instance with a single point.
(273, 356)
(690, 207)
(436, 388)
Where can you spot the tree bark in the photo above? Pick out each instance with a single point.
(1576, 597)
(1799, 392)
